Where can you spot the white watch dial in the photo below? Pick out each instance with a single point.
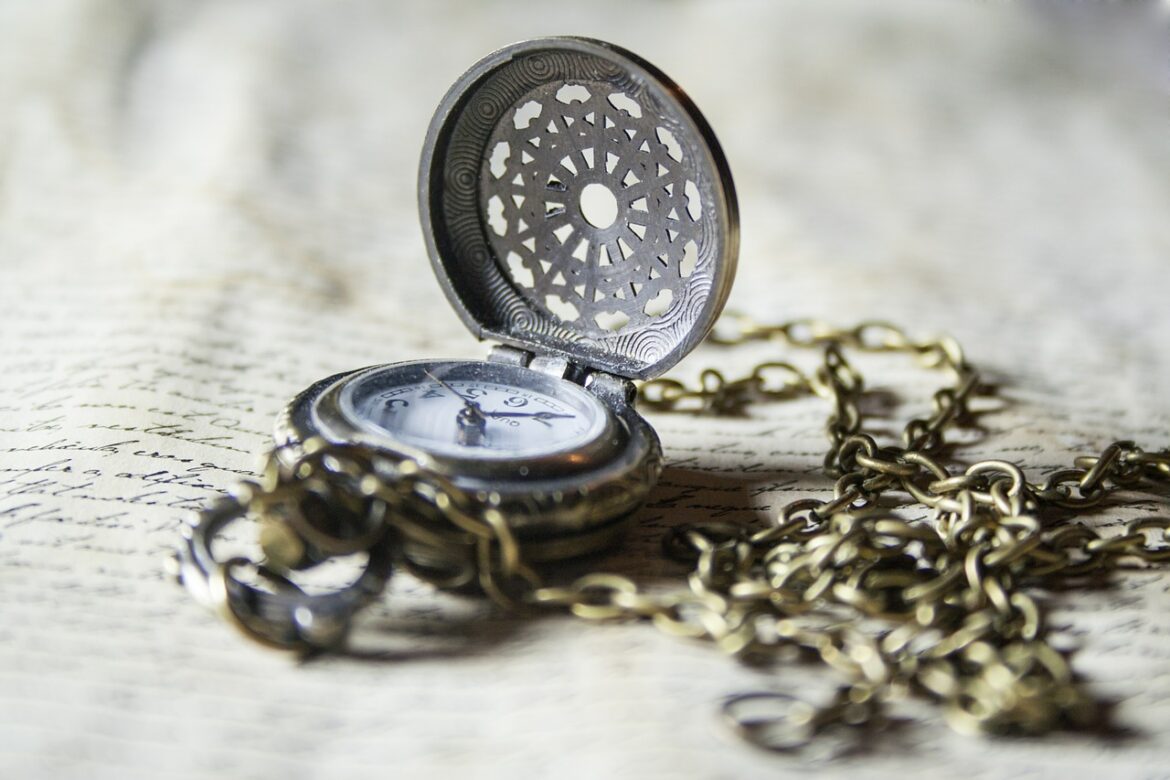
(474, 410)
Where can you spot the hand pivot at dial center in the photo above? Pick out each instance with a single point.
(471, 421)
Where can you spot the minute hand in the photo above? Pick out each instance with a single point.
(467, 400)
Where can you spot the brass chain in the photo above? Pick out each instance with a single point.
(943, 607)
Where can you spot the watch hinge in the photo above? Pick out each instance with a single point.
(509, 355)
(553, 366)
(611, 389)
(614, 390)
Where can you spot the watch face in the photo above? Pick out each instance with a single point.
(473, 409)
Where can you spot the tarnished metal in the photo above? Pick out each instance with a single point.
(562, 502)
(944, 606)
(917, 577)
(581, 296)
(575, 202)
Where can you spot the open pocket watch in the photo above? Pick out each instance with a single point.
(578, 211)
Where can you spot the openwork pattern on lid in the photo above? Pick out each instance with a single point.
(592, 208)
(576, 204)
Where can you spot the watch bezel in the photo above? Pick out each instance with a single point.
(577, 451)
(322, 412)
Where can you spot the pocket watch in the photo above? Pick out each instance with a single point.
(578, 212)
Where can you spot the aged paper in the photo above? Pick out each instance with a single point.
(206, 207)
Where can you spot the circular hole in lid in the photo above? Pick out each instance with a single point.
(598, 205)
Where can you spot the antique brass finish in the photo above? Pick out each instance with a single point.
(943, 607)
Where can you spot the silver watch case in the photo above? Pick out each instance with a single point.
(509, 155)
(560, 505)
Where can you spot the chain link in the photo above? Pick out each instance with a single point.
(944, 607)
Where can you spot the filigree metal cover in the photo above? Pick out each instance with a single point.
(575, 203)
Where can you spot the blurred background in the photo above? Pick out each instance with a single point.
(914, 148)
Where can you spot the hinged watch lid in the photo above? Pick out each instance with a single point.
(575, 203)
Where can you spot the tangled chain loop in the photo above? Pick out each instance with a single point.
(944, 607)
